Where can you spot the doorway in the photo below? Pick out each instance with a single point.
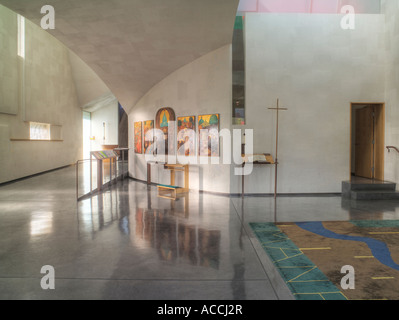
(367, 140)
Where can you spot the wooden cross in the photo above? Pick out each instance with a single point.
(276, 160)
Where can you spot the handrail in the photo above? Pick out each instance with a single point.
(83, 160)
(112, 180)
(122, 151)
(77, 176)
(392, 147)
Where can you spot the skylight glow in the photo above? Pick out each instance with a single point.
(308, 6)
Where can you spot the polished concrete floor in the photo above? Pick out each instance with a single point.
(128, 243)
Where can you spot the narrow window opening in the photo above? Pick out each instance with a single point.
(238, 72)
(21, 36)
(39, 131)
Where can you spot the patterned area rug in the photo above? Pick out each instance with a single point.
(311, 255)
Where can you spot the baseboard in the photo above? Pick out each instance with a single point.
(34, 175)
(287, 195)
(247, 195)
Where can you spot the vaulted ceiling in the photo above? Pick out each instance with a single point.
(133, 44)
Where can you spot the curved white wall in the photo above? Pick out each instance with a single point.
(201, 87)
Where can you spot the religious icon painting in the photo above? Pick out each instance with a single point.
(138, 137)
(165, 121)
(148, 136)
(186, 136)
(208, 129)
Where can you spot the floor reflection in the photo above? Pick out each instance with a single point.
(376, 210)
(174, 240)
(87, 174)
(169, 231)
(41, 223)
(103, 209)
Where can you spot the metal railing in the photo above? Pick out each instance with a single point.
(394, 148)
(78, 180)
(116, 171)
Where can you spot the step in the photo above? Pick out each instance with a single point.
(374, 195)
(371, 185)
(353, 205)
(366, 185)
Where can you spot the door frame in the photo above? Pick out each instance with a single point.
(377, 153)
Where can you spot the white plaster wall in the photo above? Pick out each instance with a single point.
(201, 87)
(50, 97)
(108, 115)
(8, 62)
(391, 10)
(316, 69)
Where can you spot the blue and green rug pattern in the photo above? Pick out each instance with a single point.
(302, 276)
(311, 255)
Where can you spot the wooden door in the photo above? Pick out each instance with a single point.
(364, 148)
(370, 141)
(379, 141)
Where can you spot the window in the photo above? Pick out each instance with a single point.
(39, 131)
(21, 36)
(238, 72)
